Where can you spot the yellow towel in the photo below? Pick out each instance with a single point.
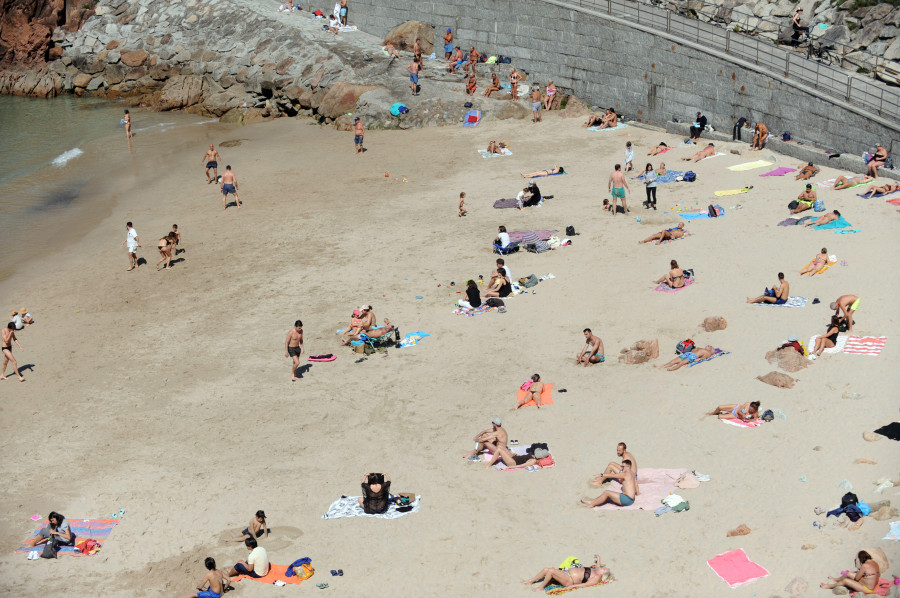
(731, 192)
(749, 165)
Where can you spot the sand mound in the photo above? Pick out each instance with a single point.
(777, 379)
(787, 359)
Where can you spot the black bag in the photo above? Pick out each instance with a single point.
(530, 450)
(507, 60)
(467, 105)
(768, 415)
(794, 205)
(690, 176)
(570, 231)
(849, 499)
(688, 272)
(494, 302)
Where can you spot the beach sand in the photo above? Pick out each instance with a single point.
(167, 394)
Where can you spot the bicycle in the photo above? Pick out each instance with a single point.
(825, 54)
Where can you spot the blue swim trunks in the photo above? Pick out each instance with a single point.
(618, 191)
(228, 188)
(208, 594)
(414, 77)
(448, 48)
(357, 139)
(626, 500)
(780, 301)
(212, 164)
(691, 357)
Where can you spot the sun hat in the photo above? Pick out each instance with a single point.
(23, 311)
(355, 312)
(497, 421)
(541, 453)
(365, 307)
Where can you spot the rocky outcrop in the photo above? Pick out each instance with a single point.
(404, 36)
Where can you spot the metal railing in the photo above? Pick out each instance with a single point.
(835, 83)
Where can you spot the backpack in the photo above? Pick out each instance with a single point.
(690, 176)
(715, 211)
(684, 346)
(793, 205)
(529, 281)
(507, 60)
(688, 272)
(819, 206)
(768, 415)
(570, 231)
(786, 136)
(849, 499)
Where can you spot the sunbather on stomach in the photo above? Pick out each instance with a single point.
(820, 260)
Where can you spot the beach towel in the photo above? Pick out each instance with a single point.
(892, 431)
(879, 194)
(895, 202)
(655, 484)
(84, 529)
(839, 223)
(556, 590)
(531, 238)
(546, 396)
(837, 348)
(894, 533)
(794, 221)
(464, 311)
(503, 153)
(780, 171)
(732, 191)
(509, 202)
(749, 165)
(735, 568)
(472, 118)
(276, 573)
(829, 184)
(791, 302)
(742, 424)
(522, 449)
(701, 215)
(618, 126)
(684, 236)
(827, 265)
(865, 345)
(413, 338)
(325, 357)
(716, 155)
(664, 288)
(716, 353)
(669, 177)
(348, 506)
(517, 236)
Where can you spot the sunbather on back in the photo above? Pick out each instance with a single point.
(687, 357)
(888, 188)
(843, 182)
(807, 172)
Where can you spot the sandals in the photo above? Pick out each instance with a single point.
(337, 573)
(321, 586)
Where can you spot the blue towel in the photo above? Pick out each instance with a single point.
(698, 215)
(839, 223)
(669, 177)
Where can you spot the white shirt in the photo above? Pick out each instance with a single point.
(259, 558)
(132, 239)
(504, 239)
(17, 320)
(508, 273)
(335, 22)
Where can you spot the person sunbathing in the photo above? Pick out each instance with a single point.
(613, 467)
(626, 497)
(572, 578)
(494, 436)
(883, 189)
(817, 263)
(376, 489)
(687, 357)
(674, 279)
(471, 84)
(827, 340)
(706, 152)
(353, 330)
(778, 295)
(494, 86)
(594, 120)
(666, 235)
(843, 182)
(501, 453)
(368, 324)
(746, 412)
(878, 160)
(610, 119)
(555, 170)
(533, 392)
(807, 172)
(661, 169)
(391, 50)
(864, 580)
(659, 149)
(824, 219)
(494, 148)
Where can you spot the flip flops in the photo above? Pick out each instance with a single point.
(321, 586)
(337, 572)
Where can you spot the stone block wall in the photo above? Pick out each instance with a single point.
(645, 76)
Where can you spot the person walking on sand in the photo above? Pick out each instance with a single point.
(613, 467)
(536, 104)
(9, 337)
(131, 243)
(293, 347)
(211, 157)
(625, 498)
(593, 350)
(414, 68)
(229, 185)
(358, 132)
(127, 120)
(617, 186)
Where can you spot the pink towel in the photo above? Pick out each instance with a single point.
(865, 345)
(780, 171)
(664, 288)
(653, 484)
(741, 423)
(735, 568)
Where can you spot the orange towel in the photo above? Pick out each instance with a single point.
(276, 572)
(546, 396)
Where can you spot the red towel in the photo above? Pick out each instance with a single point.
(276, 572)
(546, 396)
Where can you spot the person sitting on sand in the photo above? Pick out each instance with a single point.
(805, 200)
(572, 578)
(706, 152)
(659, 149)
(608, 207)
(806, 172)
(471, 83)
(760, 134)
(625, 498)
(847, 304)
(368, 324)
(494, 436)
(352, 332)
(256, 528)
(593, 350)
(777, 295)
(824, 219)
(501, 266)
(864, 580)
(500, 286)
(56, 532)
(746, 412)
(502, 237)
(214, 583)
(473, 297)
(494, 148)
(515, 461)
(674, 279)
(555, 170)
(610, 119)
(595, 120)
(843, 182)
(883, 189)
(376, 489)
(676, 232)
(257, 563)
(827, 340)
(661, 169)
(817, 263)
(391, 50)
(456, 60)
(494, 86)
(687, 357)
(613, 467)
(533, 392)
(27, 318)
(877, 161)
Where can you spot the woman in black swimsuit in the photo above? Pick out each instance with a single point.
(674, 279)
(576, 577)
(503, 289)
(829, 340)
(165, 250)
(376, 489)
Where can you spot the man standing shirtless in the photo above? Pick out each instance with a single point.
(417, 53)
(617, 186)
(293, 347)
(845, 303)
(9, 337)
(613, 467)
(629, 489)
(760, 133)
(211, 157)
(494, 436)
(448, 44)
(358, 132)
(414, 67)
(777, 295)
(536, 105)
(473, 59)
(229, 185)
(593, 350)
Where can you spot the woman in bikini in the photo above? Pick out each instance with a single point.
(548, 99)
(818, 262)
(674, 279)
(746, 412)
(576, 577)
(666, 235)
(843, 182)
(828, 340)
(555, 170)
(882, 190)
(352, 332)
(659, 149)
(864, 580)
(534, 392)
(494, 148)
(165, 250)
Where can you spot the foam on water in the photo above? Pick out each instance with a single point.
(64, 157)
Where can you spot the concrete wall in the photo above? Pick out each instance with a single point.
(644, 75)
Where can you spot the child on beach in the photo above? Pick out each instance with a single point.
(629, 157)
(462, 203)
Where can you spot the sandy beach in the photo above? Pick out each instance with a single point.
(167, 394)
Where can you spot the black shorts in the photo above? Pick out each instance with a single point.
(294, 351)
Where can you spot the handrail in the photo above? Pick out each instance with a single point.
(860, 95)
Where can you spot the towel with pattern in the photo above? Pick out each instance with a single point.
(837, 348)
(716, 353)
(749, 165)
(664, 288)
(348, 506)
(735, 568)
(669, 177)
(780, 171)
(465, 311)
(654, 485)
(794, 221)
(486, 154)
(505, 203)
(618, 126)
(517, 236)
(743, 424)
(84, 529)
(791, 302)
(865, 345)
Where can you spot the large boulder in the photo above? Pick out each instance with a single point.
(513, 110)
(836, 34)
(81, 80)
(404, 35)
(893, 50)
(219, 103)
(575, 108)
(134, 57)
(180, 91)
(341, 98)
(863, 38)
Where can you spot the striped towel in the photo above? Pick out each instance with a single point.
(84, 529)
(865, 345)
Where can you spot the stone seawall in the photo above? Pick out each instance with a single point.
(643, 75)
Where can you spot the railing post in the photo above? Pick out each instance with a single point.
(787, 64)
(849, 87)
(609, 7)
(668, 21)
(728, 41)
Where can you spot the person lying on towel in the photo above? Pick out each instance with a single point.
(573, 577)
(746, 412)
(807, 171)
(687, 357)
(873, 189)
(824, 219)
(625, 498)
(555, 170)
(676, 232)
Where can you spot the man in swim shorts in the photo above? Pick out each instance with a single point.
(229, 185)
(257, 563)
(293, 347)
(777, 295)
(805, 200)
(215, 582)
(688, 357)
(495, 435)
(414, 68)
(211, 157)
(847, 304)
(613, 467)
(536, 104)
(474, 55)
(593, 350)
(806, 172)
(358, 132)
(629, 489)
(448, 44)
(617, 185)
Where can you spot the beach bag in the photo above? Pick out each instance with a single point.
(793, 205)
(492, 60)
(554, 242)
(467, 105)
(768, 416)
(715, 211)
(688, 272)
(570, 231)
(819, 206)
(495, 302)
(786, 136)
(507, 60)
(684, 346)
(690, 176)
(849, 499)
(529, 281)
